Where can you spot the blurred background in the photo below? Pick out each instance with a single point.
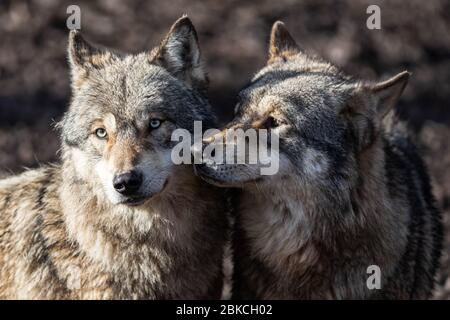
(414, 35)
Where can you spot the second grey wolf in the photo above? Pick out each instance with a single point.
(351, 191)
(117, 219)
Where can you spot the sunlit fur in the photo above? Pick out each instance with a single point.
(66, 233)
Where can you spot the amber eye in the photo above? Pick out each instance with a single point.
(101, 133)
(155, 123)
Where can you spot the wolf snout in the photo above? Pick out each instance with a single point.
(198, 152)
(127, 183)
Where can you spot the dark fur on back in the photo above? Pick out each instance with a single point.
(420, 261)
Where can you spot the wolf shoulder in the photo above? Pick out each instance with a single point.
(27, 187)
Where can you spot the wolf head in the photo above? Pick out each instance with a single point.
(322, 120)
(117, 132)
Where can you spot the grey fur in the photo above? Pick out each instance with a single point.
(65, 233)
(351, 191)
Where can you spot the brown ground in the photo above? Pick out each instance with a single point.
(415, 35)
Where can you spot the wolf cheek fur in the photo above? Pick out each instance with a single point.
(117, 219)
(351, 190)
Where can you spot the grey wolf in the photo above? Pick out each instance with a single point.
(351, 190)
(116, 219)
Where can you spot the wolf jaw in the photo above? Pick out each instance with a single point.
(351, 191)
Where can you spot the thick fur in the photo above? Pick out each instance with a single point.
(351, 190)
(65, 233)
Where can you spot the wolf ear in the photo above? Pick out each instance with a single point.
(83, 57)
(179, 53)
(369, 105)
(282, 45)
(388, 92)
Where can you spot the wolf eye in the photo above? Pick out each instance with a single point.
(101, 133)
(271, 122)
(155, 123)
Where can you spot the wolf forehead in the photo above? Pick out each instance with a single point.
(132, 84)
(302, 82)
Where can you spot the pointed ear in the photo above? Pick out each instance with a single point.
(282, 45)
(369, 104)
(388, 92)
(83, 57)
(179, 53)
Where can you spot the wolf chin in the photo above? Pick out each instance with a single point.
(351, 190)
(116, 219)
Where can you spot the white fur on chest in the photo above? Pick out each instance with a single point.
(277, 227)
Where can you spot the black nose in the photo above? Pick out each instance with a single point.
(127, 183)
